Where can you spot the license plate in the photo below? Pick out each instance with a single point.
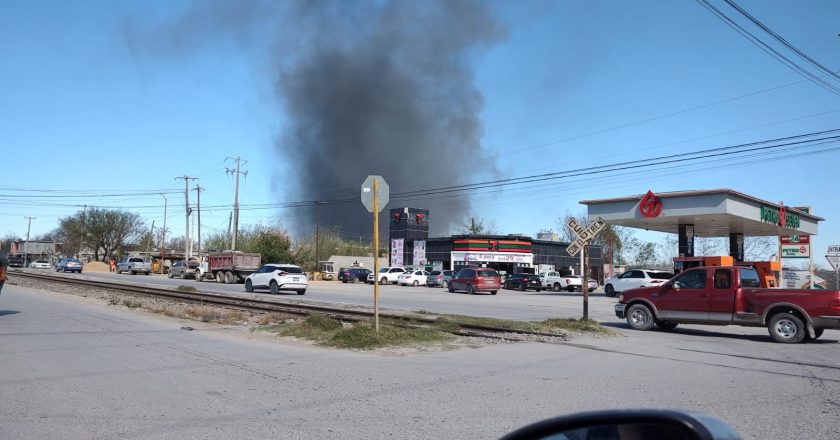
(295, 279)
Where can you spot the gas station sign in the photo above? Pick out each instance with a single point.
(796, 246)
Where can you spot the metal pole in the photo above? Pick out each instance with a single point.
(810, 263)
(149, 240)
(163, 232)
(26, 245)
(317, 230)
(376, 253)
(187, 218)
(584, 283)
(236, 199)
(198, 191)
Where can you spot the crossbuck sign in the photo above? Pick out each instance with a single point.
(584, 235)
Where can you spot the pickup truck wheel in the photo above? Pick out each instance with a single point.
(665, 325)
(557, 287)
(273, 288)
(249, 286)
(198, 276)
(183, 275)
(786, 328)
(132, 272)
(639, 317)
(609, 291)
(169, 275)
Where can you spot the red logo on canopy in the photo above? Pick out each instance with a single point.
(397, 216)
(418, 218)
(650, 206)
(782, 216)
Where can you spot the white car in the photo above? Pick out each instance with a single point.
(635, 278)
(277, 277)
(386, 275)
(412, 277)
(40, 264)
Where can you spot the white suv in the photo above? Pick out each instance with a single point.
(386, 275)
(277, 277)
(635, 278)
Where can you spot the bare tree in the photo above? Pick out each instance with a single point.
(474, 225)
(759, 248)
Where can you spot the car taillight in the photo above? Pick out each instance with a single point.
(835, 305)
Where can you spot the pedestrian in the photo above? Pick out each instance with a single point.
(112, 265)
(4, 264)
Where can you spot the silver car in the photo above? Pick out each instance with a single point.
(181, 270)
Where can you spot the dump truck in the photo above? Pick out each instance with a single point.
(228, 267)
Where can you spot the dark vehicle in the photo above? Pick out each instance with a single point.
(524, 281)
(476, 279)
(68, 265)
(183, 271)
(353, 275)
(439, 278)
(15, 261)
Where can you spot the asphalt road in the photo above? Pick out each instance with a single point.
(506, 304)
(74, 368)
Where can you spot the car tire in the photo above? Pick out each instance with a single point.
(451, 290)
(444, 284)
(301, 292)
(520, 287)
(665, 325)
(492, 292)
(132, 272)
(230, 278)
(273, 287)
(640, 317)
(383, 280)
(183, 275)
(470, 289)
(557, 287)
(786, 328)
(344, 281)
(170, 275)
(249, 286)
(609, 291)
(198, 277)
(415, 283)
(539, 290)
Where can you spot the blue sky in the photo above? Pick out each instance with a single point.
(84, 110)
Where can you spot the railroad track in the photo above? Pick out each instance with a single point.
(285, 307)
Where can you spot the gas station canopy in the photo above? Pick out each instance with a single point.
(713, 213)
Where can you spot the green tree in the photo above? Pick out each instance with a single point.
(107, 232)
(645, 254)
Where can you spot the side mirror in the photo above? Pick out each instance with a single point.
(628, 424)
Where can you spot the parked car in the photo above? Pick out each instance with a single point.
(476, 279)
(523, 281)
(15, 261)
(134, 265)
(181, 270)
(40, 264)
(277, 277)
(635, 278)
(353, 275)
(386, 275)
(68, 265)
(439, 278)
(412, 277)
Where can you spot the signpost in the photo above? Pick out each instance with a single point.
(583, 237)
(375, 195)
(833, 257)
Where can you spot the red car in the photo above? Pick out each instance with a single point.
(731, 296)
(476, 279)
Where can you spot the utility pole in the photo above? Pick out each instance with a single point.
(239, 161)
(317, 230)
(187, 211)
(230, 221)
(198, 191)
(149, 241)
(163, 232)
(26, 245)
(82, 233)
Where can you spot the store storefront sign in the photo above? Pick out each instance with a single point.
(779, 216)
(492, 257)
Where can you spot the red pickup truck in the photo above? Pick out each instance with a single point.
(731, 295)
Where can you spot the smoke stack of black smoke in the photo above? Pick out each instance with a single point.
(367, 87)
(387, 90)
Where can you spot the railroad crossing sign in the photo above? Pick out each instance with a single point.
(367, 193)
(584, 235)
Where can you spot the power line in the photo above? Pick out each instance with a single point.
(782, 40)
(767, 49)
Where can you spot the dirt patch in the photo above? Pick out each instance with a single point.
(95, 266)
